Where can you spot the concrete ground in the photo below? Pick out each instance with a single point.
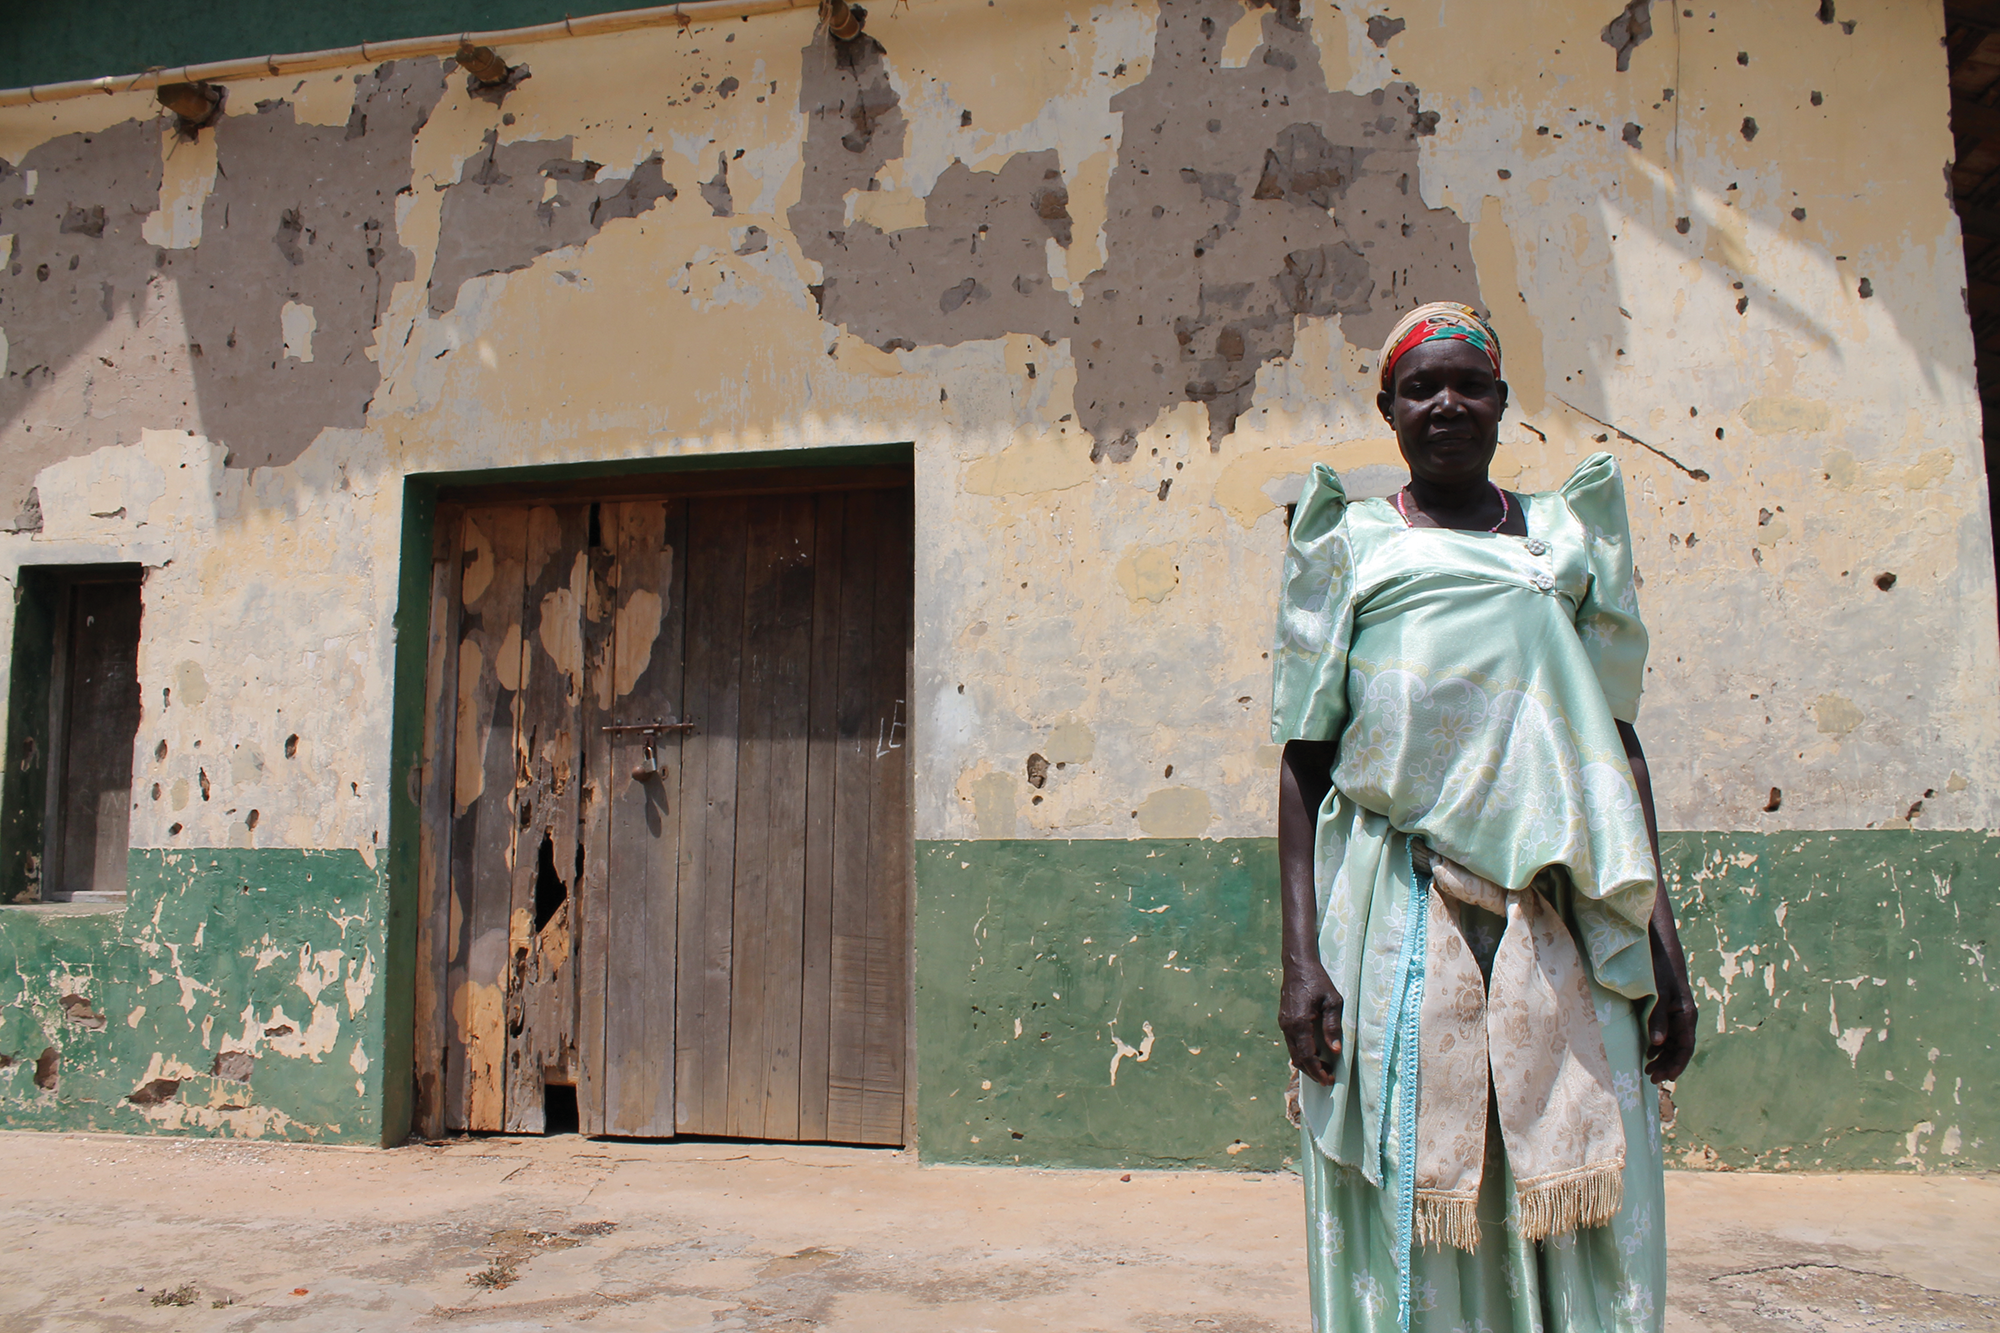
(519, 1234)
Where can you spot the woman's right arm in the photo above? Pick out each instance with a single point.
(1308, 1005)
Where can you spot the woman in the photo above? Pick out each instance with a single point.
(1474, 933)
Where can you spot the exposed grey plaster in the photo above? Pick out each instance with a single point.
(497, 220)
(1632, 26)
(301, 214)
(63, 283)
(716, 191)
(978, 269)
(1242, 200)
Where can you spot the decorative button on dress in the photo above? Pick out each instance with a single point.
(1473, 682)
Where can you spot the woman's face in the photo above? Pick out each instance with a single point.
(1445, 406)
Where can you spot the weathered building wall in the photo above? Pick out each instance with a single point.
(1119, 274)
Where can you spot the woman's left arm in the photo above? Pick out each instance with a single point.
(1674, 1013)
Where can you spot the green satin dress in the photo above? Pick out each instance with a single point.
(1473, 682)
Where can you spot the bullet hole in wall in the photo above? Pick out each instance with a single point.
(1818, 99)
(156, 791)
(1885, 581)
(174, 830)
(1777, 798)
(160, 752)
(292, 746)
(1867, 289)
(1170, 771)
(251, 821)
(201, 775)
(1749, 128)
(961, 689)
(1683, 225)
(1038, 771)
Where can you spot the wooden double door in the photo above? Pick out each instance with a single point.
(667, 839)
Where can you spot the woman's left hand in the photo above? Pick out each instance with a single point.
(1671, 1039)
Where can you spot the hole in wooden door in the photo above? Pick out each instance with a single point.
(550, 891)
(559, 1109)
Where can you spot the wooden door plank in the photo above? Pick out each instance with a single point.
(816, 978)
(854, 746)
(541, 998)
(647, 668)
(717, 530)
(789, 631)
(485, 771)
(594, 817)
(434, 827)
(750, 955)
(889, 845)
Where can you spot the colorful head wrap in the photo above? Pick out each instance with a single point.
(1439, 319)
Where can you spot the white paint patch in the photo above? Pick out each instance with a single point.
(299, 323)
(1850, 1041)
(187, 175)
(1120, 1050)
(360, 983)
(317, 971)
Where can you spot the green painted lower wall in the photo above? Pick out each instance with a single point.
(1091, 1003)
(238, 992)
(1850, 1003)
(1099, 1003)
(1849, 1019)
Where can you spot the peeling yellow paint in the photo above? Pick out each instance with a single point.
(1493, 250)
(1787, 416)
(1149, 574)
(993, 797)
(1836, 715)
(1070, 742)
(1176, 812)
(1034, 463)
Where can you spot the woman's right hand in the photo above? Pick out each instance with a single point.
(1309, 1011)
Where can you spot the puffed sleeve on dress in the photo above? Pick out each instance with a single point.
(1607, 620)
(1315, 617)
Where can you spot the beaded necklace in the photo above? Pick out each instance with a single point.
(1505, 508)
